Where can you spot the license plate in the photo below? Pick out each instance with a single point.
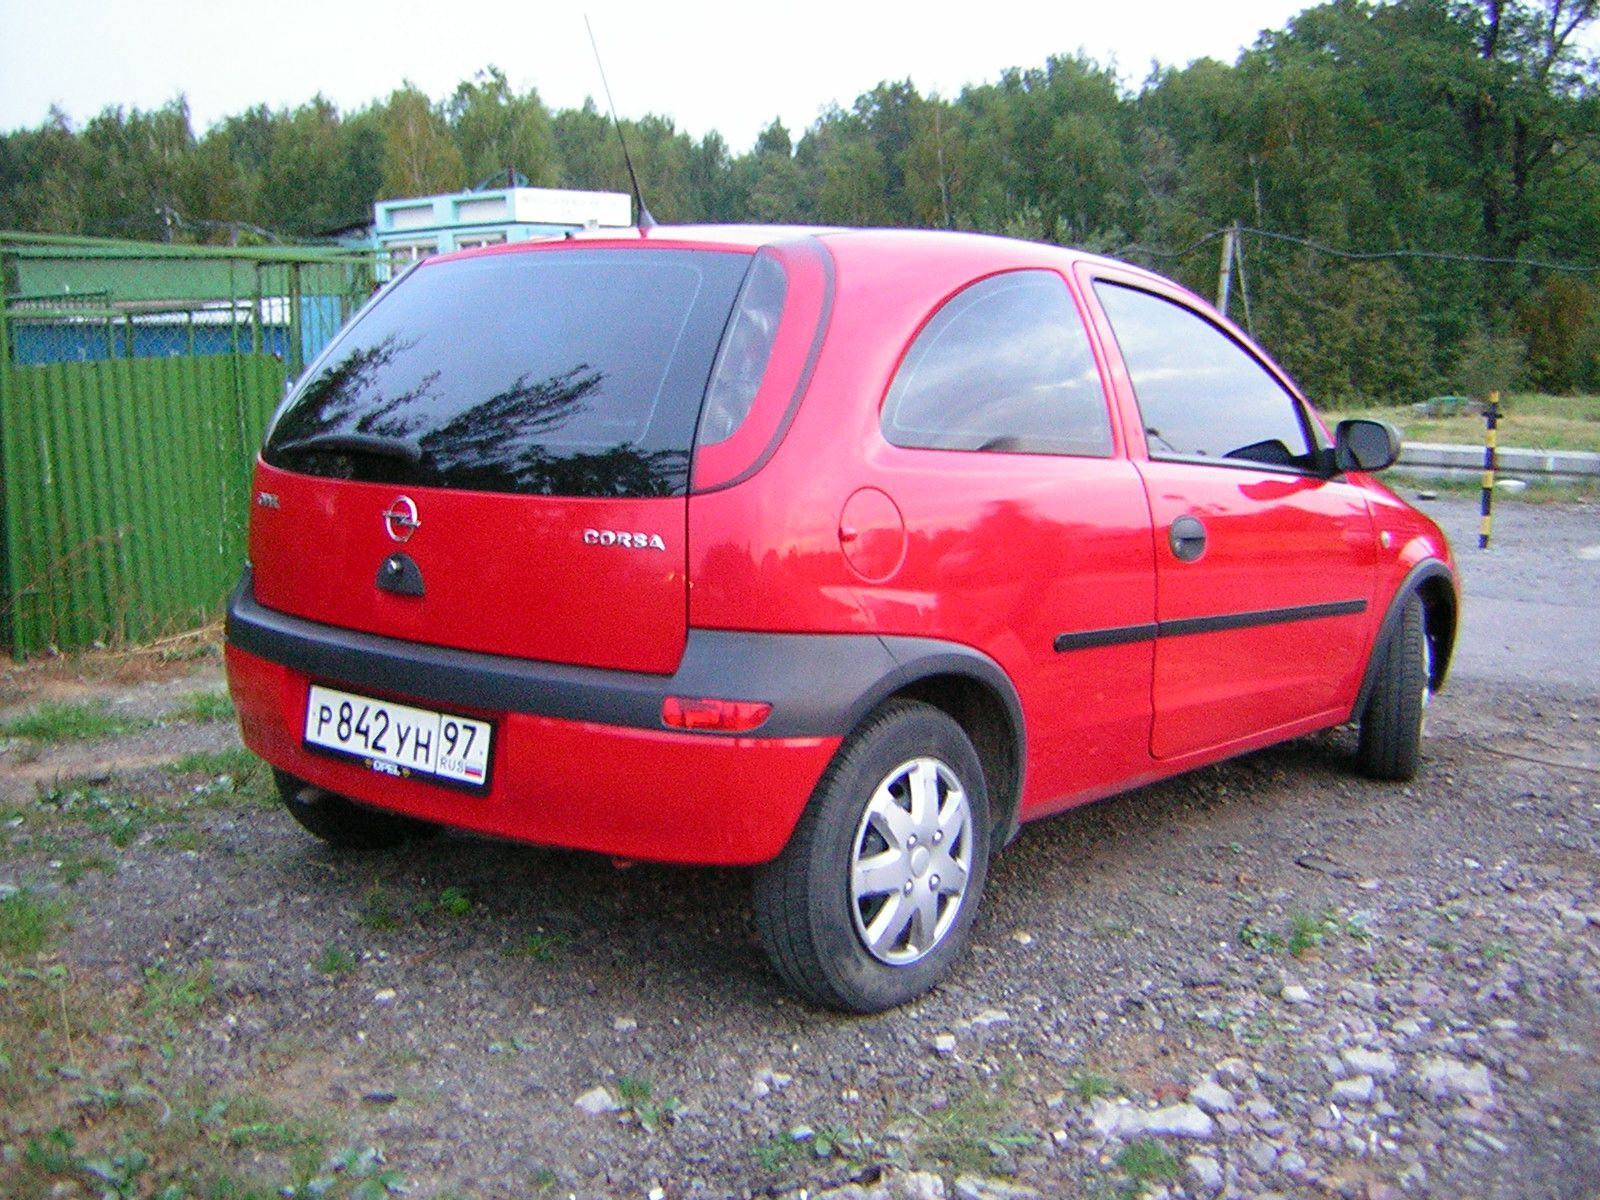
(399, 740)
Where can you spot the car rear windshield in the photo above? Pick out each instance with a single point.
(565, 372)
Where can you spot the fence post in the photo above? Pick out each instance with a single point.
(296, 351)
(1491, 420)
(9, 514)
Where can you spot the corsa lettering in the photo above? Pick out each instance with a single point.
(629, 541)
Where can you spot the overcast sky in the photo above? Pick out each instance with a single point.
(726, 67)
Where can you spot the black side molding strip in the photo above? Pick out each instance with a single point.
(1094, 638)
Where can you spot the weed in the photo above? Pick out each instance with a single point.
(1087, 1086)
(27, 923)
(75, 866)
(1305, 933)
(334, 960)
(202, 707)
(971, 1133)
(380, 911)
(228, 772)
(455, 901)
(778, 1152)
(637, 1096)
(539, 946)
(138, 1127)
(51, 723)
(1146, 1163)
(169, 994)
(1496, 951)
(1259, 937)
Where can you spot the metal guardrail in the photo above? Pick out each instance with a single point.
(1442, 459)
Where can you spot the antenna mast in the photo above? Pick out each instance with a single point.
(646, 221)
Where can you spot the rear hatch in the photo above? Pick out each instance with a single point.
(495, 456)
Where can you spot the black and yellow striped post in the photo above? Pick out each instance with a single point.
(1491, 420)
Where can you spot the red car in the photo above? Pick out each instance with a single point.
(838, 553)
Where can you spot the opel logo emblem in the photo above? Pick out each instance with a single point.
(401, 519)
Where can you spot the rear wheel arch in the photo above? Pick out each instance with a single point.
(995, 732)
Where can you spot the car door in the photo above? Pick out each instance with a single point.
(1032, 529)
(1264, 564)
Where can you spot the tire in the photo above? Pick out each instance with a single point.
(1391, 724)
(830, 924)
(343, 824)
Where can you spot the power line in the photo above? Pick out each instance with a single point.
(1367, 255)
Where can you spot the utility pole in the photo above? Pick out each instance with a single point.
(1225, 271)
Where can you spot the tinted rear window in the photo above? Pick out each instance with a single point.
(572, 373)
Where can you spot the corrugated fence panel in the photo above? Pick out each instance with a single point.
(126, 492)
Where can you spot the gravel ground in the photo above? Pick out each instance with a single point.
(1269, 977)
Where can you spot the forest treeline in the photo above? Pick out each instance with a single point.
(1451, 145)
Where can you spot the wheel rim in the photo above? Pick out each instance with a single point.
(910, 862)
(1427, 682)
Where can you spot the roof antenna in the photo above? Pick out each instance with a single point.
(646, 221)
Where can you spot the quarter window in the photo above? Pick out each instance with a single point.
(1202, 395)
(1004, 365)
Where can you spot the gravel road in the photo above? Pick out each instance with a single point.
(1268, 978)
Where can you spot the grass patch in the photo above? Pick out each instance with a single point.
(1088, 1085)
(101, 1097)
(1146, 1163)
(972, 1134)
(27, 923)
(637, 1096)
(52, 723)
(1534, 422)
(539, 946)
(204, 707)
(380, 911)
(235, 772)
(334, 961)
(455, 902)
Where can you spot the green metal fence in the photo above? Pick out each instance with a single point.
(135, 385)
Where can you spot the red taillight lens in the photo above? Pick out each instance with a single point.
(718, 716)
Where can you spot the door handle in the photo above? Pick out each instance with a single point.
(1187, 538)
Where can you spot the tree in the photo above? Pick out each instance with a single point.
(497, 131)
(419, 159)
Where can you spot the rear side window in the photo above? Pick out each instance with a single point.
(742, 362)
(1004, 365)
(1201, 395)
(567, 372)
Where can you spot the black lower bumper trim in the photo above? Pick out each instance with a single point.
(819, 685)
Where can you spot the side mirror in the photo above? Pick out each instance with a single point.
(1363, 445)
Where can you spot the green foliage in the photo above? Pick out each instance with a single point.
(637, 1095)
(334, 961)
(1088, 1085)
(455, 902)
(1258, 937)
(204, 707)
(539, 946)
(971, 1133)
(69, 723)
(27, 923)
(1375, 128)
(1147, 1162)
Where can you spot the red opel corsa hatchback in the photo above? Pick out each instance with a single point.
(837, 553)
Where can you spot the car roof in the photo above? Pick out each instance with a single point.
(866, 249)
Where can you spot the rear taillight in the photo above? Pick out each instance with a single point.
(714, 716)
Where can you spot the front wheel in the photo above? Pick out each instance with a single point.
(873, 899)
(1391, 724)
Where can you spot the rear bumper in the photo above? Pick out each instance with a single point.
(581, 760)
